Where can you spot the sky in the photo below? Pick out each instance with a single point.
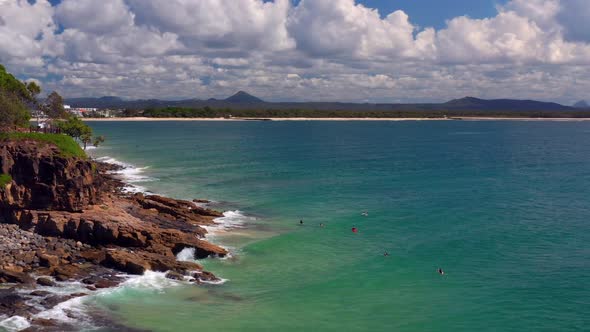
(302, 50)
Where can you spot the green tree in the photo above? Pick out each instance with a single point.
(98, 140)
(75, 127)
(54, 106)
(80, 131)
(85, 139)
(14, 96)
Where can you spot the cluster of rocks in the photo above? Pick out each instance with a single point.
(26, 250)
(66, 219)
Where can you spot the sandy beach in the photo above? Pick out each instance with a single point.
(337, 119)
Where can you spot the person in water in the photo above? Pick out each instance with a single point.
(322, 225)
(441, 272)
(386, 254)
(355, 230)
(300, 222)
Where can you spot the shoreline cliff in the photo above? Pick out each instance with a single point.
(67, 219)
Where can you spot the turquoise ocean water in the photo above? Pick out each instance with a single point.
(502, 207)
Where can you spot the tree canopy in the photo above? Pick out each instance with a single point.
(14, 96)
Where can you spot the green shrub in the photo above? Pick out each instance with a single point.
(5, 179)
(66, 145)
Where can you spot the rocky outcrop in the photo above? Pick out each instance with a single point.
(64, 219)
(44, 180)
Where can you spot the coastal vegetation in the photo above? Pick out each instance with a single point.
(66, 144)
(208, 112)
(15, 96)
(78, 130)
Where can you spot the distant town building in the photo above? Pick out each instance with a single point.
(80, 111)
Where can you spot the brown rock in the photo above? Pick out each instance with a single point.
(126, 262)
(15, 277)
(93, 255)
(45, 180)
(48, 260)
(67, 272)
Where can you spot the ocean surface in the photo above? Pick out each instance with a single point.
(502, 207)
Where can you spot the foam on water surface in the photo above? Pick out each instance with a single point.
(15, 323)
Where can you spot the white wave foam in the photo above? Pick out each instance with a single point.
(230, 220)
(150, 280)
(15, 323)
(186, 255)
(129, 174)
(71, 312)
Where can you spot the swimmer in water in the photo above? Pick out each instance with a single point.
(441, 272)
(300, 222)
(355, 230)
(322, 225)
(386, 254)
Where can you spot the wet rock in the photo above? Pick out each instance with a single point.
(105, 283)
(39, 293)
(45, 282)
(174, 276)
(12, 304)
(206, 276)
(54, 300)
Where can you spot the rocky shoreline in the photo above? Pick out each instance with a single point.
(65, 219)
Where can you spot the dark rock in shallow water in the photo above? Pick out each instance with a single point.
(174, 276)
(13, 304)
(104, 283)
(40, 293)
(54, 300)
(206, 276)
(45, 281)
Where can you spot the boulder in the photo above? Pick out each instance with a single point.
(48, 260)
(95, 256)
(126, 262)
(15, 277)
(174, 276)
(67, 272)
(45, 282)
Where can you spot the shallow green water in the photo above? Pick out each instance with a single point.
(502, 207)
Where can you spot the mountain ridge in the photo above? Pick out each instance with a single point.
(243, 100)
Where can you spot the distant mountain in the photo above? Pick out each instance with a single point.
(102, 102)
(476, 104)
(245, 101)
(582, 104)
(243, 97)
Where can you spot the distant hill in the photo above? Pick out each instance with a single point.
(244, 97)
(582, 104)
(471, 103)
(244, 101)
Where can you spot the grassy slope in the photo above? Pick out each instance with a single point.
(67, 146)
